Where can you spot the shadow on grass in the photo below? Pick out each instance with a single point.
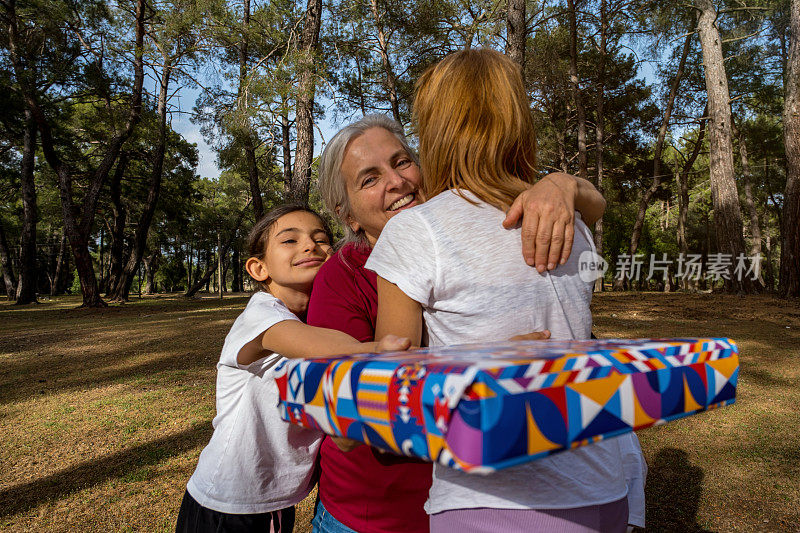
(673, 491)
(52, 374)
(65, 351)
(128, 465)
(765, 378)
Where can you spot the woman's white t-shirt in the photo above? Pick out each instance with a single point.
(255, 462)
(467, 272)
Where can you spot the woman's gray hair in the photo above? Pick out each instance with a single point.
(332, 186)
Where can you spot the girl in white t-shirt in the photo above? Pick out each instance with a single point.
(256, 466)
(449, 262)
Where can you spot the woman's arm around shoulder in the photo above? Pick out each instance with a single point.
(547, 211)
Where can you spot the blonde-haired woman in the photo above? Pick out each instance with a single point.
(449, 262)
(369, 174)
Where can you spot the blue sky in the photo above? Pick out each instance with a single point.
(183, 102)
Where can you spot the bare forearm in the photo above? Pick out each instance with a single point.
(588, 200)
(295, 339)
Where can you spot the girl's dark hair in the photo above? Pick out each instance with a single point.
(257, 239)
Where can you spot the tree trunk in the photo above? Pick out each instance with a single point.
(769, 271)
(252, 174)
(211, 265)
(208, 266)
(682, 179)
(361, 100)
(576, 89)
(683, 195)
(304, 116)
(60, 261)
(247, 130)
(562, 150)
(647, 195)
(516, 33)
(189, 264)
(789, 284)
(755, 225)
(286, 147)
(599, 133)
(383, 49)
(78, 222)
(727, 214)
(101, 283)
(28, 271)
(150, 268)
(220, 266)
(125, 280)
(118, 229)
(236, 283)
(8, 267)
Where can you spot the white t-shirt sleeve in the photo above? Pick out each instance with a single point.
(405, 255)
(262, 312)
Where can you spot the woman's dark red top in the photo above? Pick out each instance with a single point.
(366, 490)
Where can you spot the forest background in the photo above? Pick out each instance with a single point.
(685, 114)
(100, 196)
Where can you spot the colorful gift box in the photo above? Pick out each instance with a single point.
(480, 408)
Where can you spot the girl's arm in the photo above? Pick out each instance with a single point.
(397, 313)
(292, 339)
(548, 222)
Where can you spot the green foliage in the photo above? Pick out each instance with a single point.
(77, 57)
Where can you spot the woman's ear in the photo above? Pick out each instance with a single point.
(257, 269)
(355, 226)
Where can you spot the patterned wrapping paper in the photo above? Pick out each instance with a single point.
(481, 408)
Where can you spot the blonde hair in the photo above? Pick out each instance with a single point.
(475, 127)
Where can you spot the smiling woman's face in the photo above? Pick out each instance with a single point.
(381, 180)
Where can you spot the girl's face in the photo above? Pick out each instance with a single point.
(381, 180)
(297, 247)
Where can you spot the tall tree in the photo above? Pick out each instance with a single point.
(123, 284)
(789, 284)
(390, 79)
(78, 221)
(8, 268)
(117, 227)
(249, 144)
(727, 213)
(755, 224)
(174, 41)
(381, 47)
(577, 95)
(28, 271)
(647, 195)
(683, 187)
(224, 244)
(516, 33)
(22, 38)
(602, 50)
(58, 268)
(304, 120)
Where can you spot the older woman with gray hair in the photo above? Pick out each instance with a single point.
(369, 173)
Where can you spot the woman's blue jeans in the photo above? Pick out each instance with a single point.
(324, 522)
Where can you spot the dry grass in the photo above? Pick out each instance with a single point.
(104, 412)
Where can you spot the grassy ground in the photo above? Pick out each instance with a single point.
(103, 413)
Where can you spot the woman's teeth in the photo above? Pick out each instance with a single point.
(405, 200)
